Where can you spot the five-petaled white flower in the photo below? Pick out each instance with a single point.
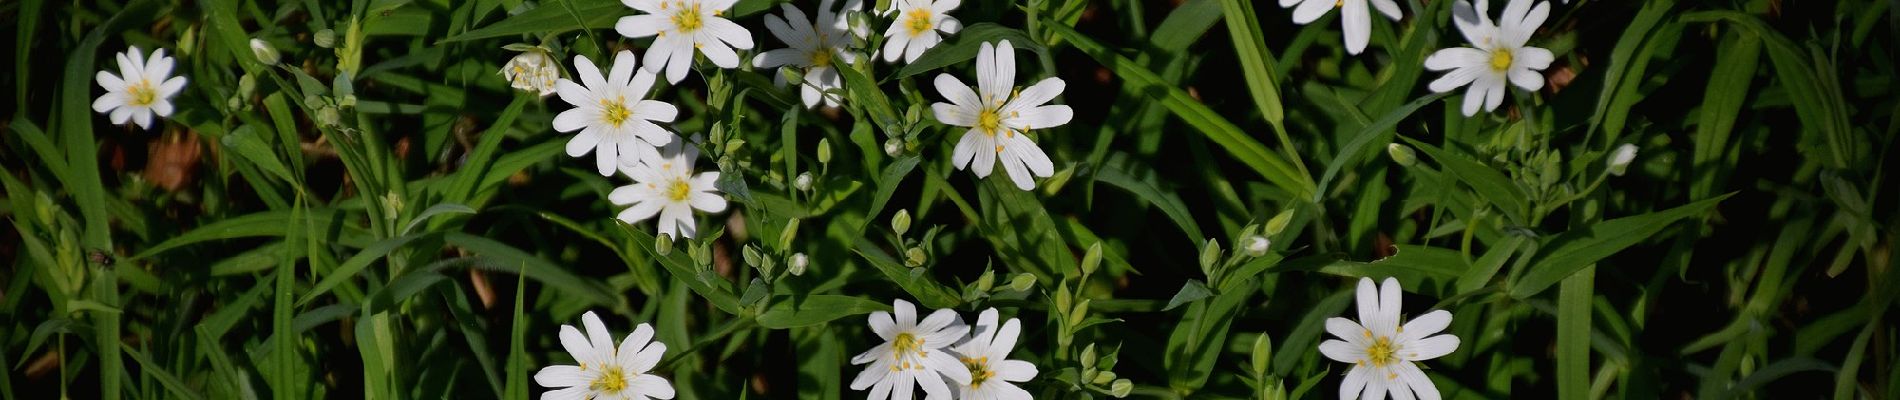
(606, 372)
(916, 27)
(532, 71)
(1497, 54)
(986, 354)
(685, 26)
(1382, 351)
(912, 354)
(999, 117)
(665, 185)
(820, 48)
(614, 120)
(1354, 18)
(144, 86)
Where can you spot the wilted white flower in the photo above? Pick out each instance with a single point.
(819, 47)
(685, 27)
(614, 121)
(911, 354)
(665, 185)
(1384, 353)
(999, 115)
(917, 26)
(1497, 55)
(606, 372)
(1354, 17)
(532, 71)
(986, 354)
(1619, 161)
(144, 86)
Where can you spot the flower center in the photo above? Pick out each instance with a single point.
(679, 190)
(989, 122)
(919, 21)
(905, 344)
(687, 19)
(610, 380)
(614, 112)
(1500, 59)
(141, 93)
(821, 58)
(1382, 352)
(979, 370)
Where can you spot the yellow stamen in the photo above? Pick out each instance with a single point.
(614, 112)
(919, 21)
(821, 58)
(610, 381)
(1500, 59)
(141, 93)
(687, 18)
(1381, 353)
(679, 190)
(979, 370)
(989, 122)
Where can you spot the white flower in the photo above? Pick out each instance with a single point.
(613, 120)
(1619, 161)
(604, 371)
(1354, 18)
(916, 27)
(999, 117)
(912, 352)
(986, 355)
(1498, 53)
(144, 86)
(533, 71)
(817, 47)
(685, 26)
(665, 185)
(1382, 351)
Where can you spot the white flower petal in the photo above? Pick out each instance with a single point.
(729, 32)
(622, 71)
(1005, 339)
(108, 102)
(1368, 300)
(923, 42)
(1417, 381)
(680, 217)
(171, 87)
(1389, 308)
(120, 115)
(719, 54)
(780, 57)
(1356, 21)
(939, 320)
(652, 386)
(1429, 348)
(1389, 8)
(905, 314)
(640, 211)
(1494, 92)
(572, 393)
(647, 358)
(1457, 57)
(110, 82)
(1014, 370)
(1527, 79)
(1042, 117)
(966, 148)
(1003, 74)
(707, 202)
(640, 25)
(1425, 325)
(576, 344)
(954, 90)
(985, 158)
(1355, 381)
(949, 367)
(1341, 351)
(602, 341)
(1532, 57)
(589, 73)
(1376, 385)
(678, 63)
(1013, 165)
(882, 326)
(1349, 331)
(558, 376)
(1310, 11)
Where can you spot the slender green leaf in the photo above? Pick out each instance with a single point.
(1569, 252)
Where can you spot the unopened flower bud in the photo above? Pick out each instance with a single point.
(1257, 245)
(264, 52)
(894, 147)
(532, 71)
(803, 181)
(325, 38)
(1405, 156)
(798, 263)
(1620, 158)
